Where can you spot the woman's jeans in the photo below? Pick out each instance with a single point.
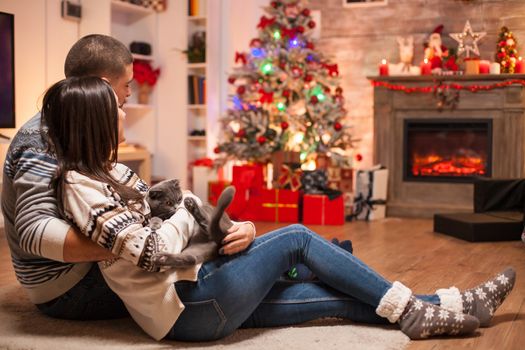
(245, 290)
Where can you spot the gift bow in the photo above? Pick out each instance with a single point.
(290, 177)
(361, 203)
(208, 162)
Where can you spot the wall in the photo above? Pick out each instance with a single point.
(358, 38)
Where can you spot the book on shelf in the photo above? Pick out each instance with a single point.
(196, 89)
(197, 8)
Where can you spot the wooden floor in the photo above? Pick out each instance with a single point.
(408, 251)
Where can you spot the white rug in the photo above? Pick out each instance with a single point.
(23, 327)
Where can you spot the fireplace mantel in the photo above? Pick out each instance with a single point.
(505, 106)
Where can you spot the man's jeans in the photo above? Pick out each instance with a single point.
(245, 290)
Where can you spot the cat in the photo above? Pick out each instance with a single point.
(165, 197)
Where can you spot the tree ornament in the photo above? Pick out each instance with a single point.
(308, 78)
(314, 100)
(241, 90)
(286, 93)
(311, 24)
(468, 40)
(284, 125)
(239, 56)
(310, 45)
(217, 150)
(359, 157)
(291, 10)
(231, 80)
(338, 126)
(261, 140)
(265, 96)
(506, 52)
(241, 133)
(265, 22)
(300, 29)
(275, 4)
(333, 70)
(306, 12)
(255, 43)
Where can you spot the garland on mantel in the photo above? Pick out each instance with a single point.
(441, 86)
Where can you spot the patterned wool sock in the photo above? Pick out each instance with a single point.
(419, 319)
(482, 300)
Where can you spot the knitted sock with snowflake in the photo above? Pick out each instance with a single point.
(419, 319)
(481, 301)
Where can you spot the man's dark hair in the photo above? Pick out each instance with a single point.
(98, 55)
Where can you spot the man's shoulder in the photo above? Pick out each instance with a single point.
(29, 136)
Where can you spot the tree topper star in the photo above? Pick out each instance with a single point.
(468, 40)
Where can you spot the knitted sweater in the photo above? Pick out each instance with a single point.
(99, 213)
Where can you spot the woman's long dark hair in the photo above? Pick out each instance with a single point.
(81, 117)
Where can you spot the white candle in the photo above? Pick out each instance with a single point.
(495, 68)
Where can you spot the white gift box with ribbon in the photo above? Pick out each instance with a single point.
(370, 193)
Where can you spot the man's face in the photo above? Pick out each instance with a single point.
(121, 85)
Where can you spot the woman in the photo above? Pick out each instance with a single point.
(105, 200)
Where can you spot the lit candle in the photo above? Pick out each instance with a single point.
(519, 68)
(383, 67)
(484, 67)
(426, 67)
(495, 68)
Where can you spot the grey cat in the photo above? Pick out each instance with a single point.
(213, 222)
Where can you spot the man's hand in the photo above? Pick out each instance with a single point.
(239, 237)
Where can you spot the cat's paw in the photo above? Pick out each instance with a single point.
(174, 260)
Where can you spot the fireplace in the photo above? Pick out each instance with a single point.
(447, 150)
(484, 133)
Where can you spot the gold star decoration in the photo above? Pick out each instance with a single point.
(468, 40)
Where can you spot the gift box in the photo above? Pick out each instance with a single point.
(248, 176)
(245, 204)
(370, 193)
(289, 177)
(314, 181)
(215, 189)
(203, 173)
(318, 209)
(278, 205)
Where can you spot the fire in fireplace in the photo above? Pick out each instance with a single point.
(447, 150)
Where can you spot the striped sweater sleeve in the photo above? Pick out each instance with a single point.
(99, 213)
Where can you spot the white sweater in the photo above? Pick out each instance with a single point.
(149, 294)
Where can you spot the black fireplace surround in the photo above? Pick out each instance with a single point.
(447, 150)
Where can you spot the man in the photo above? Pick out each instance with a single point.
(52, 261)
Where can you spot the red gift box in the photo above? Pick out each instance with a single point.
(248, 176)
(215, 189)
(278, 206)
(318, 209)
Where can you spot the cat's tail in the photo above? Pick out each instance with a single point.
(223, 202)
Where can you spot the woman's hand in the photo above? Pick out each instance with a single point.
(239, 237)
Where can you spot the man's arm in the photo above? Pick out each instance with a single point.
(79, 248)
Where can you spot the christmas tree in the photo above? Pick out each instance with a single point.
(286, 94)
(506, 53)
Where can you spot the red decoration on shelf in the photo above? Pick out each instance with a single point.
(143, 73)
(426, 67)
(337, 126)
(284, 125)
(261, 140)
(383, 67)
(455, 86)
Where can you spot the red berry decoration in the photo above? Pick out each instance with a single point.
(314, 100)
(337, 126)
(306, 12)
(241, 90)
(261, 140)
(358, 157)
(311, 24)
(241, 133)
(217, 150)
(284, 125)
(231, 80)
(300, 29)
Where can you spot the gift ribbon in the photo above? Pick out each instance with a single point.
(278, 205)
(290, 177)
(208, 162)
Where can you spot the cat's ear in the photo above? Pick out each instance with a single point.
(174, 183)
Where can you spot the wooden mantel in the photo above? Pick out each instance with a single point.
(504, 105)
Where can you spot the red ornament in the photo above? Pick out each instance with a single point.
(327, 89)
(310, 45)
(239, 56)
(308, 78)
(311, 24)
(241, 133)
(314, 100)
(337, 126)
(255, 42)
(241, 90)
(333, 70)
(297, 72)
(300, 29)
(306, 12)
(274, 4)
(265, 22)
(339, 90)
(358, 157)
(266, 97)
(284, 125)
(231, 80)
(217, 150)
(261, 140)
(286, 93)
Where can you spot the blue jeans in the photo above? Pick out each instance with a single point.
(245, 290)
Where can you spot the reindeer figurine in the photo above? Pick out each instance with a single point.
(406, 56)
